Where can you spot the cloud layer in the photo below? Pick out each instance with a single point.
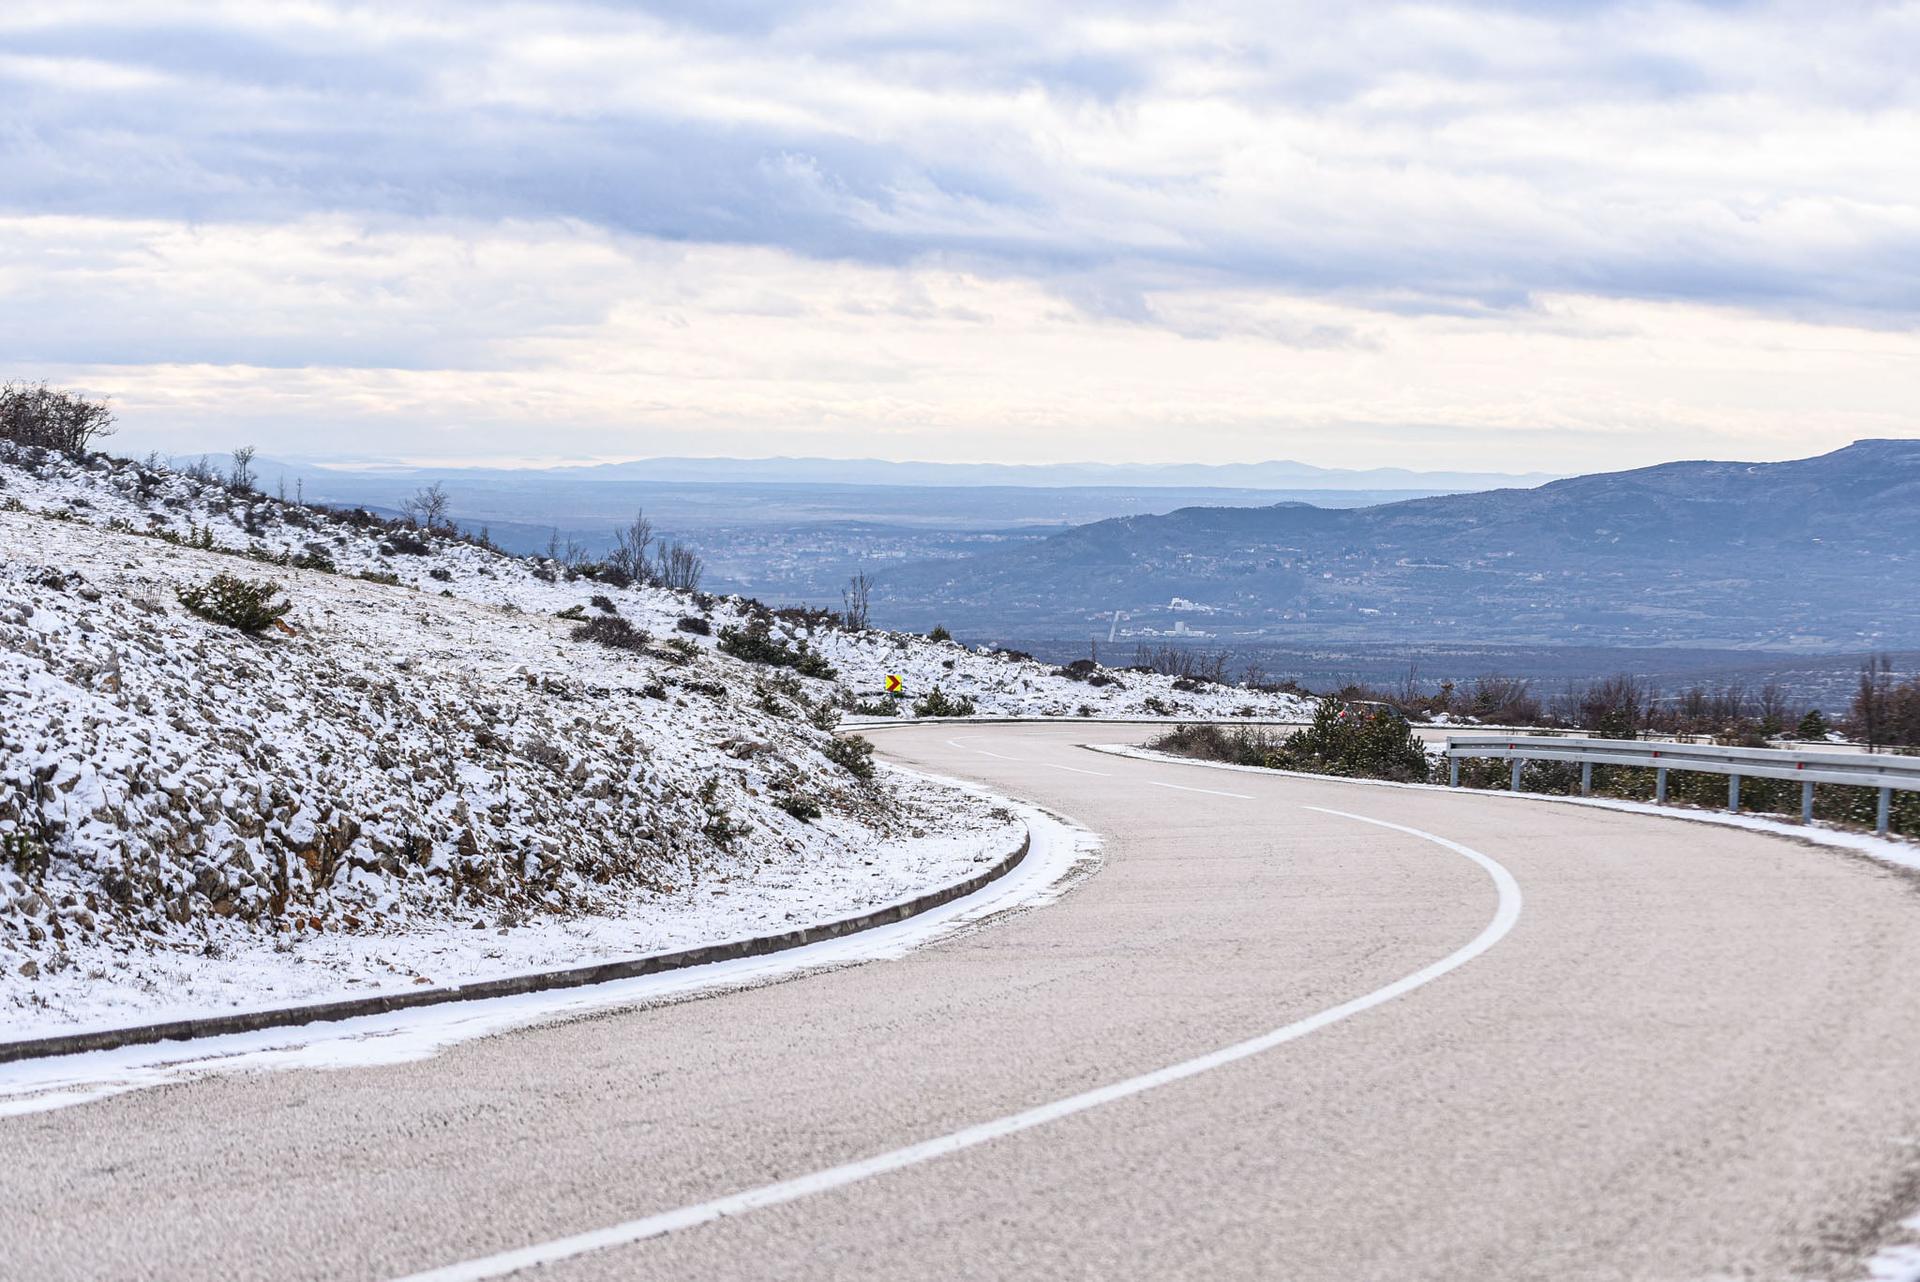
(1303, 202)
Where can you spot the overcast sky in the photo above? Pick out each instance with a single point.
(1560, 235)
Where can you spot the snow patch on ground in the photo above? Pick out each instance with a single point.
(195, 820)
(1060, 856)
(1899, 1262)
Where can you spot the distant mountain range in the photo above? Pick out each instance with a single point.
(1273, 475)
(1817, 554)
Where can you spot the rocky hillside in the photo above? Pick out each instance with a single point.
(431, 733)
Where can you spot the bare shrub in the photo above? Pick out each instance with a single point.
(38, 415)
(856, 598)
(628, 559)
(678, 567)
(613, 632)
(1180, 661)
(240, 477)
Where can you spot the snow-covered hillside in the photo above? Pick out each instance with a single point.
(187, 811)
(127, 495)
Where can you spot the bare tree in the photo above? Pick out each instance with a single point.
(39, 415)
(1178, 661)
(1612, 708)
(1872, 702)
(678, 567)
(429, 506)
(1773, 708)
(857, 597)
(240, 478)
(629, 556)
(1504, 700)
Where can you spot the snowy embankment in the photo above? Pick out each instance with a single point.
(421, 781)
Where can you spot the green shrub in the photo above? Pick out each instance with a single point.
(755, 643)
(380, 576)
(939, 633)
(314, 559)
(800, 806)
(719, 826)
(940, 704)
(884, 707)
(26, 854)
(244, 604)
(852, 754)
(1242, 745)
(1361, 744)
(1367, 746)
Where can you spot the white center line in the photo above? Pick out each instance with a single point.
(955, 743)
(835, 1177)
(1211, 792)
(1054, 765)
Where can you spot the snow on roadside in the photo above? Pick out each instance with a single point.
(1899, 1262)
(782, 894)
(1062, 855)
(194, 819)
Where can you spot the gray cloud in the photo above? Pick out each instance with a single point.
(1444, 159)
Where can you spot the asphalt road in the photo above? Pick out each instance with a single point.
(1692, 1054)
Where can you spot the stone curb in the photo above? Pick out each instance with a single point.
(510, 985)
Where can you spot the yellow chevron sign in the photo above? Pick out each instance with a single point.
(895, 685)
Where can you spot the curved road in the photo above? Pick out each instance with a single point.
(1692, 1054)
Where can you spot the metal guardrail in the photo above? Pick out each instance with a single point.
(1858, 770)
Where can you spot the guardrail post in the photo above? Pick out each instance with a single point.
(1733, 792)
(1453, 771)
(1586, 778)
(1806, 802)
(1660, 785)
(1885, 812)
(1513, 784)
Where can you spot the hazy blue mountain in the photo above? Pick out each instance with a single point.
(1272, 475)
(1819, 553)
(783, 540)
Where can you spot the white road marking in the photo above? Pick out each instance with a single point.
(835, 1177)
(955, 743)
(1211, 792)
(1054, 765)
